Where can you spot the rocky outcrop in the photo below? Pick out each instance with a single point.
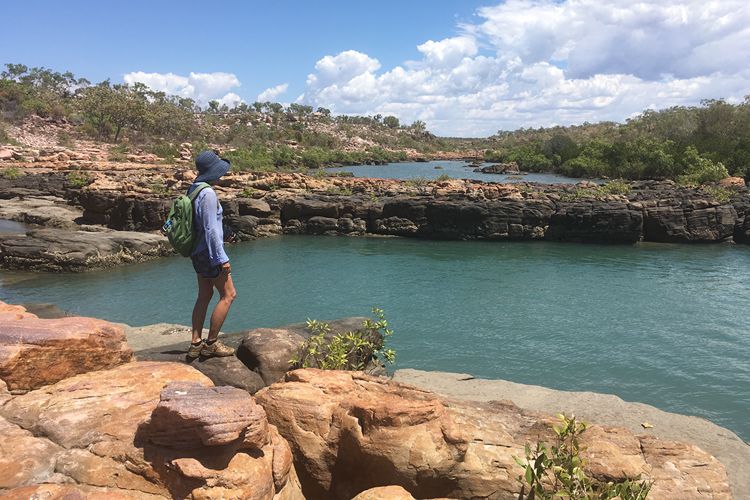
(62, 250)
(96, 430)
(350, 432)
(124, 211)
(500, 168)
(37, 352)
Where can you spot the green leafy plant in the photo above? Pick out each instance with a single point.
(557, 470)
(443, 178)
(351, 350)
(118, 153)
(158, 187)
(10, 173)
(248, 192)
(719, 193)
(78, 180)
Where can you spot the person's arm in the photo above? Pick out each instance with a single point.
(214, 234)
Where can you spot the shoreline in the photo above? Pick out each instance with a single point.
(593, 407)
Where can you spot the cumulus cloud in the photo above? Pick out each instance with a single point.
(201, 87)
(546, 62)
(270, 94)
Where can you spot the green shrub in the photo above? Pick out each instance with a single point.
(10, 173)
(118, 152)
(719, 193)
(65, 140)
(77, 179)
(617, 186)
(345, 350)
(557, 470)
(443, 177)
(248, 192)
(256, 159)
(699, 170)
(165, 150)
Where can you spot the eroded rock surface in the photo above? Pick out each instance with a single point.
(64, 250)
(350, 432)
(95, 429)
(37, 352)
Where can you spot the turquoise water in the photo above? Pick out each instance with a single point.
(455, 169)
(661, 324)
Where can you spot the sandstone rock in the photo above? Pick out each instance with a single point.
(268, 351)
(732, 182)
(350, 432)
(500, 168)
(222, 371)
(70, 492)
(60, 250)
(36, 352)
(24, 459)
(189, 415)
(6, 154)
(385, 493)
(99, 422)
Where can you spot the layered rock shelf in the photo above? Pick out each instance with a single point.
(158, 429)
(102, 216)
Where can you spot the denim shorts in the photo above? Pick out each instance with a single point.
(202, 266)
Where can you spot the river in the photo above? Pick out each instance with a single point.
(451, 168)
(661, 324)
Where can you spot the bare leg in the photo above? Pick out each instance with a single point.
(227, 293)
(205, 292)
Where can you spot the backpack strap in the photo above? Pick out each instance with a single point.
(200, 187)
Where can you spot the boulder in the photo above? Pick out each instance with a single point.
(36, 352)
(350, 432)
(24, 458)
(100, 423)
(499, 168)
(190, 415)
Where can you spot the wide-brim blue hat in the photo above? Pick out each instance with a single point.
(210, 166)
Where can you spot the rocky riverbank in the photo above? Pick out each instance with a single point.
(96, 207)
(120, 426)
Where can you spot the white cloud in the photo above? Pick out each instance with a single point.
(270, 94)
(201, 87)
(547, 62)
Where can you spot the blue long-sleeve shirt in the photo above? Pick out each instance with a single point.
(209, 233)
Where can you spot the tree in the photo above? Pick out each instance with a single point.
(391, 121)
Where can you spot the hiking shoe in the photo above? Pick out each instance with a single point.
(217, 349)
(195, 350)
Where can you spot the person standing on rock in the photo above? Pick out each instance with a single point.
(210, 261)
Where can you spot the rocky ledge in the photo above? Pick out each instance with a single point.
(160, 429)
(101, 215)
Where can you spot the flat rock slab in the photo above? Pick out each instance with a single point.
(604, 409)
(49, 211)
(191, 416)
(36, 352)
(350, 432)
(58, 250)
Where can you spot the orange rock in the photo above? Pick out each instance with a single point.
(738, 182)
(93, 429)
(36, 352)
(350, 432)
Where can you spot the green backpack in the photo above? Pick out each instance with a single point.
(179, 225)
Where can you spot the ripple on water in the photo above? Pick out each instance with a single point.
(661, 324)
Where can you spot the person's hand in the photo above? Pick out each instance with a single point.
(226, 268)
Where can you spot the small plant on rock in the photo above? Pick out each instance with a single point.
(10, 173)
(351, 350)
(77, 180)
(557, 470)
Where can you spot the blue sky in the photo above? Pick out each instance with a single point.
(465, 67)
